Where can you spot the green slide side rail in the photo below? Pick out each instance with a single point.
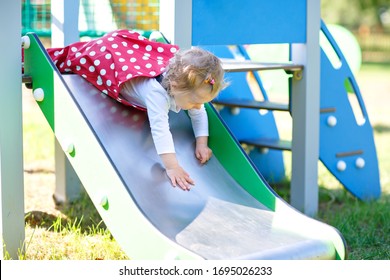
(226, 148)
(44, 78)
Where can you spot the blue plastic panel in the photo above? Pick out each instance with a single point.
(221, 22)
(347, 148)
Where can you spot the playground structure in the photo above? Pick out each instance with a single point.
(144, 213)
(303, 237)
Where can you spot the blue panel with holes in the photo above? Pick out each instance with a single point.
(347, 146)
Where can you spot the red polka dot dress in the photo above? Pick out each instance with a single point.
(113, 59)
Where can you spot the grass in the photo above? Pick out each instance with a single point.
(76, 231)
(77, 234)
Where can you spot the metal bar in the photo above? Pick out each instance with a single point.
(350, 153)
(231, 65)
(327, 110)
(253, 104)
(269, 143)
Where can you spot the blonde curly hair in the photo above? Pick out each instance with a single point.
(194, 68)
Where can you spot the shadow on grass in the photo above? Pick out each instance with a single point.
(40, 219)
(79, 214)
(326, 196)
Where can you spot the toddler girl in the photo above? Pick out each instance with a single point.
(155, 77)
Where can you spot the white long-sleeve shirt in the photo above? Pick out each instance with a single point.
(149, 94)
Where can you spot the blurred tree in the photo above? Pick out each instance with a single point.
(355, 14)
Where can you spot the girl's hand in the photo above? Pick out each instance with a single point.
(202, 152)
(177, 175)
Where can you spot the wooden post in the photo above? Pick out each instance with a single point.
(176, 21)
(64, 32)
(305, 115)
(11, 132)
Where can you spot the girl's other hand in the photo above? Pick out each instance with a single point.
(202, 152)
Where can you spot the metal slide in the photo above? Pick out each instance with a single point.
(231, 213)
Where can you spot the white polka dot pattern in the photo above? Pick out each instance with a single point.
(113, 59)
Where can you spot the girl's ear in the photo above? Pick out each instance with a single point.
(173, 86)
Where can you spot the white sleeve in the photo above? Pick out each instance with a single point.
(199, 121)
(157, 105)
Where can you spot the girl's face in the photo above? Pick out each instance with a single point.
(192, 99)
